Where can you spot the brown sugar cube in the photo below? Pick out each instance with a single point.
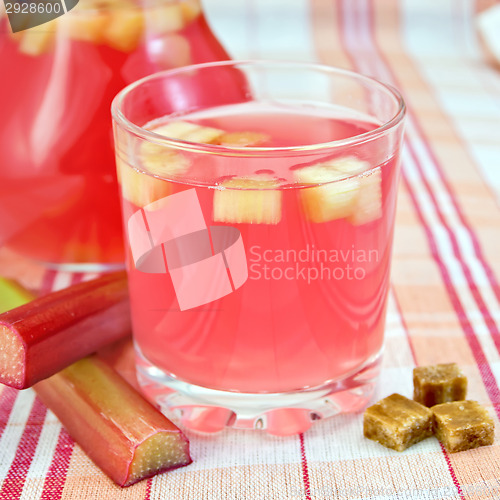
(397, 422)
(436, 384)
(462, 425)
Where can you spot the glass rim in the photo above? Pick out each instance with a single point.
(120, 118)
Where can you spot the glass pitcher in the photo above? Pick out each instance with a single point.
(58, 187)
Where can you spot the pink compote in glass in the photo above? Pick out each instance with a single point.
(259, 236)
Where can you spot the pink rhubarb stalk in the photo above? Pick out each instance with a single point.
(128, 438)
(49, 333)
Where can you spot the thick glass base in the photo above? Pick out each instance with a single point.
(207, 410)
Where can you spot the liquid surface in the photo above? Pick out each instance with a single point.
(318, 124)
(280, 126)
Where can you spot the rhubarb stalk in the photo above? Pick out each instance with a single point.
(44, 336)
(12, 295)
(127, 437)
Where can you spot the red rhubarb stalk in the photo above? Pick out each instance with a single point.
(127, 437)
(40, 338)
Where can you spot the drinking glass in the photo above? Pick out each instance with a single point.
(258, 203)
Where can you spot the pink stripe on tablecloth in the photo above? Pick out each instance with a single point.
(452, 472)
(482, 307)
(13, 484)
(48, 281)
(56, 475)
(305, 468)
(444, 452)
(77, 278)
(474, 240)
(147, 493)
(470, 335)
(453, 200)
(7, 400)
(484, 368)
(481, 360)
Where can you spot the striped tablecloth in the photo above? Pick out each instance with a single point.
(444, 302)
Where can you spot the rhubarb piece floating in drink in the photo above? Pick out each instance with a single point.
(161, 162)
(368, 205)
(85, 24)
(341, 188)
(188, 131)
(243, 139)
(332, 195)
(165, 162)
(37, 40)
(124, 29)
(248, 200)
(138, 188)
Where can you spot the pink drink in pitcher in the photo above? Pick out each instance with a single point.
(58, 189)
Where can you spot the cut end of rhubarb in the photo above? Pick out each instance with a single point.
(159, 453)
(250, 200)
(127, 437)
(12, 358)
